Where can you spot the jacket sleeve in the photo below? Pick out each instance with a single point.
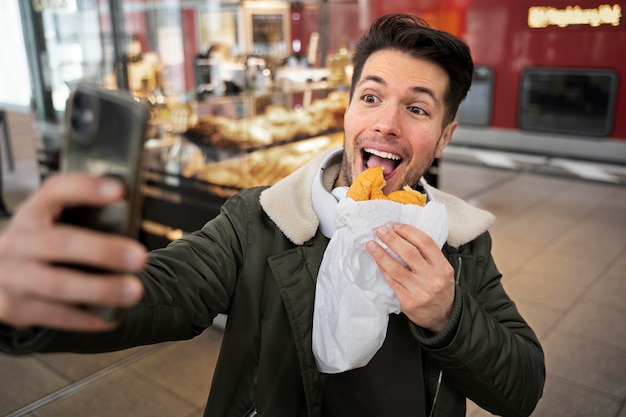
(186, 285)
(487, 351)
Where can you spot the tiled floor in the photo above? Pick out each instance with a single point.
(559, 241)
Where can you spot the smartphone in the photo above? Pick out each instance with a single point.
(105, 133)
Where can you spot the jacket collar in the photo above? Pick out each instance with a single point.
(289, 204)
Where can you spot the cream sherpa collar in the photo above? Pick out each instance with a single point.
(289, 204)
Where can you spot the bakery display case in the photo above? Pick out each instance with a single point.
(191, 173)
(275, 125)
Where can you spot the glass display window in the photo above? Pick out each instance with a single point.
(266, 28)
(477, 108)
(77, 46)
(566, 100)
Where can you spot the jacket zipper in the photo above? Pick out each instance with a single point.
(432, 408)
(457, 277)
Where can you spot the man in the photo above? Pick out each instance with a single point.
(458, 336)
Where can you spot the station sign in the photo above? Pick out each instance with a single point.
(541, 17)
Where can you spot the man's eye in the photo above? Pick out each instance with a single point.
(369, 98)
(417, 110)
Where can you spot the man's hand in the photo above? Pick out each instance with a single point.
(425, 286)
(35, 290)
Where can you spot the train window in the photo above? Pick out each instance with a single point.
(558, 100)
(476, 108)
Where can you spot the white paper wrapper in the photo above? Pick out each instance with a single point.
(352, 299)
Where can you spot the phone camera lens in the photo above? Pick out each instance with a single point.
(83, 115)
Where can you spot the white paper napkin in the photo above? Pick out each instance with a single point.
(352, 298)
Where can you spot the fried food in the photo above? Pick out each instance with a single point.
(262, 167)
(369, 186)
(276, 125)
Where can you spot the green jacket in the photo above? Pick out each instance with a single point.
(257, 262)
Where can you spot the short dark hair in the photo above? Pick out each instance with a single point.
(415, 37)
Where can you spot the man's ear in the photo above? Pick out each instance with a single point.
(445, 138)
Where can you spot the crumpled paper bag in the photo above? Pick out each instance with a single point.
(352, 298)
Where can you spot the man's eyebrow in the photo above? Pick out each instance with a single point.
(414, 89)
(427, 91)
(374, 78)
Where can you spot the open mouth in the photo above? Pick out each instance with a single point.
(388, 161)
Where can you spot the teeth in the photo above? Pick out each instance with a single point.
(385, 155)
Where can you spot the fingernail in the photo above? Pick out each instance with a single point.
(108, 187)
(131, 289)
(135, 257)
(370, 246)
(382, 230)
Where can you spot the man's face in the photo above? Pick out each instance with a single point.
(395, 119)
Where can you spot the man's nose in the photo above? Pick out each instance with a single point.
(387, 120)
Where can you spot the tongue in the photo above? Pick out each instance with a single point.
(387, 164)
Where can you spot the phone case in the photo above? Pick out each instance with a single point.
(105, 135)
